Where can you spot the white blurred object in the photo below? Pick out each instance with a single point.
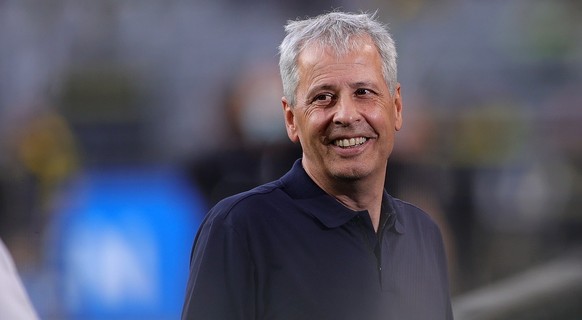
(14, 301)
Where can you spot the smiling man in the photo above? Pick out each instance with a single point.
(325, 241)
(345, 118)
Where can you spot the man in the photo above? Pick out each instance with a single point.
(325, 241)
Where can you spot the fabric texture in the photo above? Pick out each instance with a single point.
(288, 250)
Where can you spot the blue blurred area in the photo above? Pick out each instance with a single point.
(120, 245)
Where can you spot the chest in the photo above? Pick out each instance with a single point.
(303, 269)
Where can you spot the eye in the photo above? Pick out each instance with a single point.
(323, 99)
(363, 92)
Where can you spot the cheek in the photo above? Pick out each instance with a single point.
(380, 120)
(302, 128)
(316, 121)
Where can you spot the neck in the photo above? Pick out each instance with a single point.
(358, 194)
(370, 201)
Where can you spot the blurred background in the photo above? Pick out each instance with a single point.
(122, 122)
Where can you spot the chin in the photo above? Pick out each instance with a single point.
(349, 174)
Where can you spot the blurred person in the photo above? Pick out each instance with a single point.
(258, 150)
(14, 301)
(325, 241)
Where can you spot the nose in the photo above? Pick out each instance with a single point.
(346, 112)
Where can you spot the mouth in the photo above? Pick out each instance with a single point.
(350, 143)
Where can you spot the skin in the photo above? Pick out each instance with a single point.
(345, 97)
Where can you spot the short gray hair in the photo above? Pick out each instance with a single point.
(336, 30)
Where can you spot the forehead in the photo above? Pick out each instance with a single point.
(318, 62)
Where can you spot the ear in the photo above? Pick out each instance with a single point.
(290, 124)
(397, 98)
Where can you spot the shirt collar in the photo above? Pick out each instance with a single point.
(324, 207)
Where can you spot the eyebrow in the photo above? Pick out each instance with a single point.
(332, 87)
(321, 87)
(360, 84)
(353, 85)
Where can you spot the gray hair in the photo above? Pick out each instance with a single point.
(336, 30)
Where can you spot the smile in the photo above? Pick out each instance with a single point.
(348, 143)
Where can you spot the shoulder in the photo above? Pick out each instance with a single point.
(412, 217)
(243, 205)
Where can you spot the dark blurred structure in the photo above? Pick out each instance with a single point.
(490, 144)
(258, 150)
(549, 291)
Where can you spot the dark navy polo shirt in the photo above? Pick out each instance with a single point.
(288, 250)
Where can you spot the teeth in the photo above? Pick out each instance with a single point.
(346, 143)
